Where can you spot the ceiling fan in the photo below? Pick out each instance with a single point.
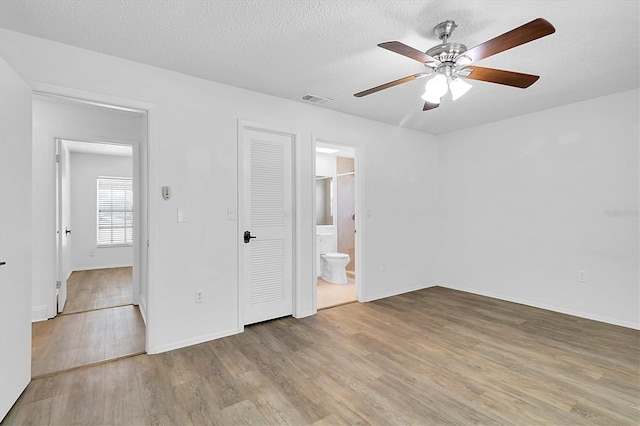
(451, 62)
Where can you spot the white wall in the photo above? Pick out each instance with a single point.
(53, 120)
(527, 202)
(193, 148)
(85, 169)
(325, 165)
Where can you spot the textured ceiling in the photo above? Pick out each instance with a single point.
(289, 48)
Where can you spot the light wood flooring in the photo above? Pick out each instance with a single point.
(95, 325)
(70, 341)
(329, 295)
(98, 289)
(434, 356)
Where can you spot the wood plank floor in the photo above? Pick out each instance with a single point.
(434, 356)
(98, 289)
(95, 325)
(70, 341)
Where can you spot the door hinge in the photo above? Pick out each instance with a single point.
(57, 158)
(58, 285)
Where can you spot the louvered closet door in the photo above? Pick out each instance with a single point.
(267, 199)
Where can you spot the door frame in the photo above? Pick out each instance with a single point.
(359, 209)
(144, 150)
(60, 210)
(137, 193)
(296, 216)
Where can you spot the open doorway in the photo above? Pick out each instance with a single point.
(335, 213)
(98, 205)
(95, 197)
(100, 223)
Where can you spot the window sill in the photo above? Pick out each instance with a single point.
(113, 245)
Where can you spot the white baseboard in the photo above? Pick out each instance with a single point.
(545, 306)
(190, 342)
(304, 314)
(401, 291)
(39, 313)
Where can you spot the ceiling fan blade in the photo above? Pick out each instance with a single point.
(508, 78)
(521, 35)
(428, 105)
(391, 84)
(408, 51)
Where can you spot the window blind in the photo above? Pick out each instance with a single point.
(115, 211)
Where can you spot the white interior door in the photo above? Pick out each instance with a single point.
(266, 258)
(62, 222)
(15, 236)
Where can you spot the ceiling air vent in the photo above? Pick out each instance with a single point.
(315, 99)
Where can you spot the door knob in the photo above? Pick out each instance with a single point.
(247, 237)
(2, 263)
(67, 231)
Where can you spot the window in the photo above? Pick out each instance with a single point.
(115, 211)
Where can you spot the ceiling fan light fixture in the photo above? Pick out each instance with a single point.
(428, 97)
(458, 87)
(435, 89)
(463, 61)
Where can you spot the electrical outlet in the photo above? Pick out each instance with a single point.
(199, 296)
(582, 276)
(92, 253)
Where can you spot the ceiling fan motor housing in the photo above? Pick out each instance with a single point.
(447, 52)
(444, 29)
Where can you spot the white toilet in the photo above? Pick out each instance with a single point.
(333, 267)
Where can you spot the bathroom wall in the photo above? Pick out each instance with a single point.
(326, 166)
(346, 225)
(326, 237)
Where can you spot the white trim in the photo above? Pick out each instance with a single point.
(39, 313)
(403, 291)
(86, 97)
(190, 342)
(545, 306)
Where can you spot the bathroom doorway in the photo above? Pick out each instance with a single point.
(336, 231)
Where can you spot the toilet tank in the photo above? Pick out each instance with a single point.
(326, 242)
